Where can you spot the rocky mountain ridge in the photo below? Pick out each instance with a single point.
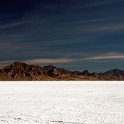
(23, 72)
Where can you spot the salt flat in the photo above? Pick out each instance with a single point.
(62, 103)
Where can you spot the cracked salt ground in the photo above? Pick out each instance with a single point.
(62, 103)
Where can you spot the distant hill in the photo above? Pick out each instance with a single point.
(23, 72)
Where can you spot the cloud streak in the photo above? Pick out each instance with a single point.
(108, 27)
(100, 3)
(108, 56)
(15, 24)
(5, 63)
(49, 61)
(40, 61)
(97, 58)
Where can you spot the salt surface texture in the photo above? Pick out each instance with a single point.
(62, 103)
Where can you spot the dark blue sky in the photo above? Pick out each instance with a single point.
(73, 34)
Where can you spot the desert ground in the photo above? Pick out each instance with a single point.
(62, 103)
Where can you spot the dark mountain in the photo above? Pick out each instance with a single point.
(114, 74)
(22, 71)
(51, 70)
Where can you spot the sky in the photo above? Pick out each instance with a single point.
(72, 34)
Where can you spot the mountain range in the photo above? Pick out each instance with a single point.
(18, 71)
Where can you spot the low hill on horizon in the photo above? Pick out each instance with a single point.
(18, 71)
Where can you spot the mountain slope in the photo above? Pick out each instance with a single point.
(114, 74)
(21, 71)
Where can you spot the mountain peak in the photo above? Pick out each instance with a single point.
(23, 71)
(116, 70)
(18, 63)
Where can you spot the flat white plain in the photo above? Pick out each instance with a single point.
(62, 103)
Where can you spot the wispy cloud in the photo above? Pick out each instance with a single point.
(98, 58)
(40, 61)
(108, 27)
(99, 3)
(15, 24)
(107, 56)
(5, 63)
(49, 61)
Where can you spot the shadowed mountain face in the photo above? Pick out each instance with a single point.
(21, 71)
